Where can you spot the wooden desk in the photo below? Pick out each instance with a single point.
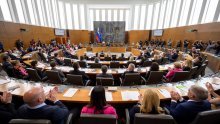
(214, 61)
(81, 52)
(109, 49)
(32, 55)
(60, 52)
(136, 52)
(82, 95)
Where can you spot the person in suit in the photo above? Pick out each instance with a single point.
(122, 57)
(104, 72)
(42, 57)
(96, 60)
(98, 104)
(154, 67)
(57, 60)
(53, 67)
(130, 69)
(38, 107)
(174, 55)
(7, 66)
(76, 71)
(40, 72)
(149, 103)
(197, 61)
(184, 111)
(7, 109)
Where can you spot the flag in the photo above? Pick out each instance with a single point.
(98, 36)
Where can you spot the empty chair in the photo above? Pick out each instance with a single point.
(97, 119)
(132, 79)
(54, 77)
(192, 72)
(155, 77)
(33, 75)
(75, 80)
(95, 65)
(104, 81)
(68, 62)
(180, 76)
(82, 64)
(208, 117)
(153, 119)
(114, 64)
(30, 121)
(107, 58)
(199, 71)
(147, 63)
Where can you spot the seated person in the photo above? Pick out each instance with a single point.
(149, 103)
(53, 67)
(154, 67)
(40, 72)
(193, 51)
(12, 56)
(98, 104)
(140, 56)
(82, 59)
(7, 109)
(184, 111)
(104, 72)
(131, 58)
(216, 99)
(37, 107)
(76, 71)
(177, 68)
(57, 60)
(130, 69)
(19, 70)
(42, 57)
(96, 60)
(102, 54)
(197, 62)
(122, 57)
(174, 55)
(7, 66)
(187, 65)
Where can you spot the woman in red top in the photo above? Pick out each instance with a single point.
(177, 68)
(98, 104)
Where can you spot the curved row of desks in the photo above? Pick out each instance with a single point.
(119, 96)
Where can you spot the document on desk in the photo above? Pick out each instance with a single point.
(108, 96)
(129, 95)
(3, 81)
(70, 92)
(165, 93)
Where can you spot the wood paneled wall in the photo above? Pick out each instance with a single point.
(10, 32)
(205, 32)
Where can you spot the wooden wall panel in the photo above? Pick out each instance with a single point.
(79, 36)
(137, 35)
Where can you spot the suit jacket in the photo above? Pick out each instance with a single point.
(199, 64)
(186, 111)
(7, 112)
(58, 61)
(8, 67)
(105, 75)
(57, 113)
(78, 72)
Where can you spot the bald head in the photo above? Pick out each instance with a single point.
(34, 96)
(131, 67)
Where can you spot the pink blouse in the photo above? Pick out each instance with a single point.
(171, 73)
(107, 110)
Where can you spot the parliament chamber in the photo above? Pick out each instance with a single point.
(109, 62)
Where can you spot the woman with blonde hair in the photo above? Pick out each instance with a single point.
(187, 65)
(148, 104)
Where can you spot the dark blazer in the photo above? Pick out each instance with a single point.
(186, 111)
(8, 67)
(7, 112)
(57, 112)
(78, 72)
(199, 64)
(186, 68)
(105, 75)
(58, 61)
(60, 73)
(174, 57)
(42, 56)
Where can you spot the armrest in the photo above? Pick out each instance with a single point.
(69, 119)
(144, 80)
(87, 82)
(121, 81)
(127, 116)
(166, 111)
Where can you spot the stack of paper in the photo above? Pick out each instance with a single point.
(165, 93)
(2, 81)
(70, 92)
(182, 88)
(129, 95)
(108, 96)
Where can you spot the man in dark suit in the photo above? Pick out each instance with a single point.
(130, 69)
(58, 61)
(7, 66)
(198, 62)
(184, 111)
(7, 110)
(37, 107)
(173, 55)
(76, 71)
(104, 72)
(53, 67)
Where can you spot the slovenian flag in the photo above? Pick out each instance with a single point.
(98, 36)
